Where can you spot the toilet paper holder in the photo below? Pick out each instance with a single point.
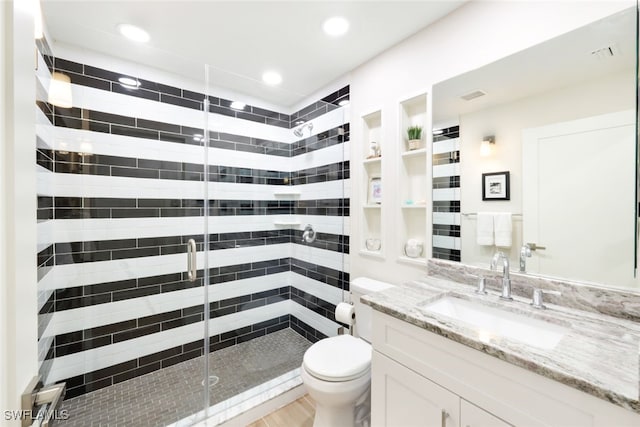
(345, 313)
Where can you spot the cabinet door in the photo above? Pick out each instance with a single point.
(402, 398)
(472, 416)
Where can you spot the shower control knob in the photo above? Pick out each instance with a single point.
(308, 235)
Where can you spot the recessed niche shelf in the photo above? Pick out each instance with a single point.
(415, 261)
(413, 178)
(371, 223)
(372, 160)
(372, 254)
(372, 133)
(415, 153)
(286, 193)
(413, 112)
(286, 223)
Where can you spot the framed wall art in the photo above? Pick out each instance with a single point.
(375, 191)
(495, 186)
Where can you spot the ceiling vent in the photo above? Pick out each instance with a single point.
(605, 52)
(473, 95)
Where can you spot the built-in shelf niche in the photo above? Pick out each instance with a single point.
(413, 112)
(372, 132)
(413, 180)
(413, 226)
(371, 224)
(372, 229)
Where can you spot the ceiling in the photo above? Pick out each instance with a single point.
(560, 62)
(242, 39)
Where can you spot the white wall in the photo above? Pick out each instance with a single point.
(470, 37)
(4, 356)
(18, 299)
(507, 122)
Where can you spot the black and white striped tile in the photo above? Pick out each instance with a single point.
(446, 194)
(120, 193)
(45, 191)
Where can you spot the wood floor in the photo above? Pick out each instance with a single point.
(297, 414)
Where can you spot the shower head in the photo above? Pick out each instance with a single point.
(299, 132)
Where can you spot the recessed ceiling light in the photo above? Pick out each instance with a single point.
(129, 83)
(134, 33)
(272, 78)
(299, 122)
(336, 26)
(438, 132)
(237, 105)
(343, 102)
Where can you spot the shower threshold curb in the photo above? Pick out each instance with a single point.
(240, 404)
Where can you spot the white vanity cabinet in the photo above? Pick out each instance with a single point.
(422, 379)
(401, 397)
(404, 398)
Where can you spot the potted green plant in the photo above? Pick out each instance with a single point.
(414, 133)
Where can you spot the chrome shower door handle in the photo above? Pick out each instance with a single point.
(192, 269)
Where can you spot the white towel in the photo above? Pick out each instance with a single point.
(484, 230)
(502, 227)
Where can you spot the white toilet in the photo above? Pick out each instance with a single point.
(337, 370)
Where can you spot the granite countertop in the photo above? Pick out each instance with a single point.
(598, 354)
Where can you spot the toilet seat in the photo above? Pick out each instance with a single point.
(337, 359)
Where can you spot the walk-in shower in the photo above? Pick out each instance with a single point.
(135, 182)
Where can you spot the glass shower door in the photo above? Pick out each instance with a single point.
(122, 213)
(273, 169)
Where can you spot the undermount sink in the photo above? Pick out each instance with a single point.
(494, 323)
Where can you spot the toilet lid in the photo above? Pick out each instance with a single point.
(340, 358)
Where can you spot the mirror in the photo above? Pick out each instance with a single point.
(560, 118)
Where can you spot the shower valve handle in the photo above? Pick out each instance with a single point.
(309, 235)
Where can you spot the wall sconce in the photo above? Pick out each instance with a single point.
(486, 145)
(60, 90)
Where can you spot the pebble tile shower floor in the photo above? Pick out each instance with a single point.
(171, 394)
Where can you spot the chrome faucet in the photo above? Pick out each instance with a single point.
(525, 251)
(506, 280)
(537, 297)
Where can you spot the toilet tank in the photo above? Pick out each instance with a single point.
(364, 286)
